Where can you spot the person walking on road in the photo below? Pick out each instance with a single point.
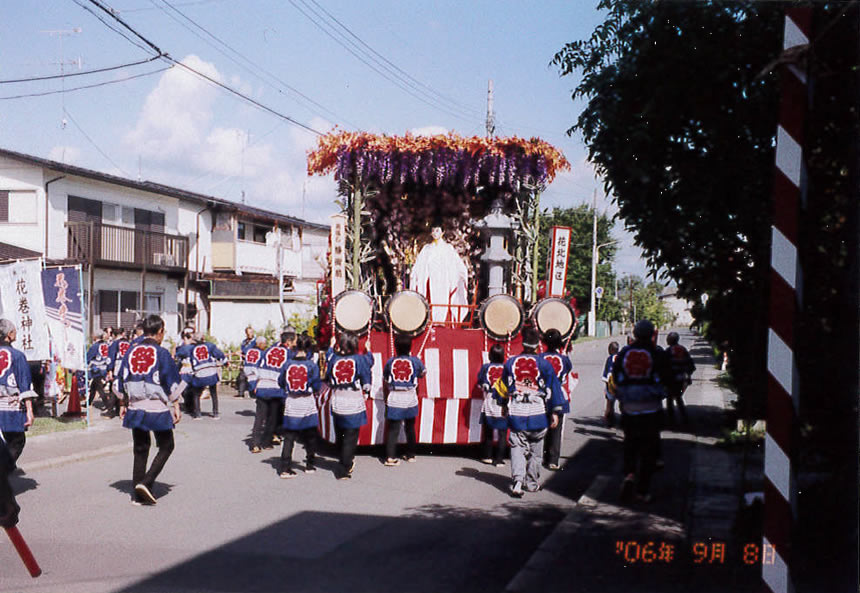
(16, 391)
(206, 360)
(609, 387)
(251, 360)
(98, 359)
(640, 372)
(9, 508)
(562, 366)
(534, 401)
(300, 380)
(682, 368)
(349, 376)
(400, 380)
(242, 382)
(493, 416)
(270, 396)
(152, 387)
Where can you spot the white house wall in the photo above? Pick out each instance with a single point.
(199, 248)
(16, 176)
(230, 318)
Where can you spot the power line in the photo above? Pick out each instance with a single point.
(249, 65)
(362, 56)
(83, 73)
(110, 25)
(96, 146)
(456, 104)
(88, 86)
(165, 56)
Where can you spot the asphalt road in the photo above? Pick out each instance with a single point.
(226, 522)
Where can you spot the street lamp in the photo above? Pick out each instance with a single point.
(595, 250)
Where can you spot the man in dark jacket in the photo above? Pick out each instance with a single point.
(640, 372)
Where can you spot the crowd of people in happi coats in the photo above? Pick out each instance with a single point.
(525, 398)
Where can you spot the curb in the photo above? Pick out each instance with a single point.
(65, 459)
(551, 549)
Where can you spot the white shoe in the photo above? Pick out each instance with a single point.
(517, 490)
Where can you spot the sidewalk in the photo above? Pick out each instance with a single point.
(105, 436)
(683, 541)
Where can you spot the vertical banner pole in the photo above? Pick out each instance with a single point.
(85, 323)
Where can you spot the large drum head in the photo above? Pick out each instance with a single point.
(554, 313)
(501, 316)
(353, 311)
(408, 312)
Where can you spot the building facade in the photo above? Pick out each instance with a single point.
(150, 248)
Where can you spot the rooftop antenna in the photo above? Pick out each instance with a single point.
(491, 117)
(60, 34)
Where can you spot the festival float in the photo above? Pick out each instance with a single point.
(437, 238)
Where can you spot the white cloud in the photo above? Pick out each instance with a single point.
(429, 131)
(69, 155)
(175, 115)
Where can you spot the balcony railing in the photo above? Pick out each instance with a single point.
(109, 245)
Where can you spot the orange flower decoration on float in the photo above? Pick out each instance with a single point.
(441, 160)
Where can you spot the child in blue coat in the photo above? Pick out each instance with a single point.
(400, 376)
(492, 413)
(349, 375)
(300, 380)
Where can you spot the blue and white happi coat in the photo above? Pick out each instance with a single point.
(15, 388)
(149, 378)
(400, 375)
(300, 380)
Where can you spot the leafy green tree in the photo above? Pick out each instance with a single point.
(581, 220)
(680, 123)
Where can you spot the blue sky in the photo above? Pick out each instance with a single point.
(174, 128)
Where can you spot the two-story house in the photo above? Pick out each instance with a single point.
(151, 248)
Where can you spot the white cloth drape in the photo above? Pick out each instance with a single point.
(440, 275)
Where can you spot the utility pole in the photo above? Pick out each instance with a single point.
(592, 313)
(491, 117)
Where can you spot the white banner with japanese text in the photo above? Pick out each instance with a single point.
(22, 303)
(62, 291)
(560, 241)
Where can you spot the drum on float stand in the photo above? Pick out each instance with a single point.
(353, 312)
(408, 312)
(554, 313)
(501, 316)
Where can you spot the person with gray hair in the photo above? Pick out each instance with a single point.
(16, 391)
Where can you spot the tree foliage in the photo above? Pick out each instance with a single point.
(680, 123)
(581, 220)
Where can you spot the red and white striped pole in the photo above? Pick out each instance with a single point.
(785, 296)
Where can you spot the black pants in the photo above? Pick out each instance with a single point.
(196, 392)
(487, 445)
(675, 394)
(641, 446)
(552, 443)
(308, 437)
(142, 442)
(97, 387)
(265, 421)
(8, 507)
(15, 443)
(347, 443)
(241, 384)
(394, 432)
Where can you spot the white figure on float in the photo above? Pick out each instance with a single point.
(441, 276)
